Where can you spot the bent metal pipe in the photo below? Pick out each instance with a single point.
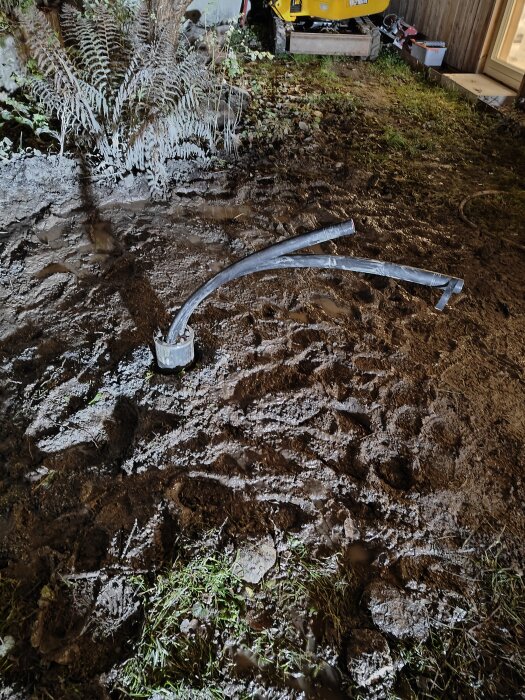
(178, 348)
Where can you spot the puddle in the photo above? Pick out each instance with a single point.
(55, 269)
(299, 316)
(214, 212)
(329, 306)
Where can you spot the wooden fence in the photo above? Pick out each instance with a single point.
(463, 24)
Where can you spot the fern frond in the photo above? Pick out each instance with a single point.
(123, 87)
(140, 29)
(91, 56)
(43, 44)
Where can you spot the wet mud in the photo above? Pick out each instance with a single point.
(339, 408)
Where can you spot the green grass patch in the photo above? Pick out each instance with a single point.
(200, 618)
(304, 59)
(481, 658)
(13, 615)
(389, 66)
(188, 613)
(394, 139)
(327, 68)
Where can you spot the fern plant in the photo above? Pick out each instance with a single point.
(123, 87)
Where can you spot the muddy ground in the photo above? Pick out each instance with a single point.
(337, 409)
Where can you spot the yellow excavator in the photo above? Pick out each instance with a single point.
(327, 27)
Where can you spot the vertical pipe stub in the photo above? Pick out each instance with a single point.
(175, 355)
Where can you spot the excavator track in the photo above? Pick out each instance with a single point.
(367, 27)
(279, 35)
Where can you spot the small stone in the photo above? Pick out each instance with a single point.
(303, 126)
(187, 626)
(7, 644)
(349, 528)
(254, 560)
(370, 663)
(397, 613)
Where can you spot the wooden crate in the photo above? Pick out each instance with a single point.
(325, 44)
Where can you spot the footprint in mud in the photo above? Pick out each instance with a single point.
(396, 472)
(220, 212)
(92, 548)
(389, 460)
(352, 464)
(424, 568)
(382, 283)
(305, 337)
(407, 420)
(208, 503)
(121, 428)
(247, 387)
(365, 295)
(370, 363)
(299, 317)
(336, 378)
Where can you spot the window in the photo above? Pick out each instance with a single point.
(506, 62)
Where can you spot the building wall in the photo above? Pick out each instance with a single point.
(463, 24)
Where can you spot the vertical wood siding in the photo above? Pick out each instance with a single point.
(463, 24)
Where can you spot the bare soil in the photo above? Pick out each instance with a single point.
(337, 408)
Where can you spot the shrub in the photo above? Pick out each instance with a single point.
(123, 87)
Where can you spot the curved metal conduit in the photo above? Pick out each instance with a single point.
(178, 348)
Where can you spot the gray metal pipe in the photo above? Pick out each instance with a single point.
(253, 263)
(178, 351)
(449, 285)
